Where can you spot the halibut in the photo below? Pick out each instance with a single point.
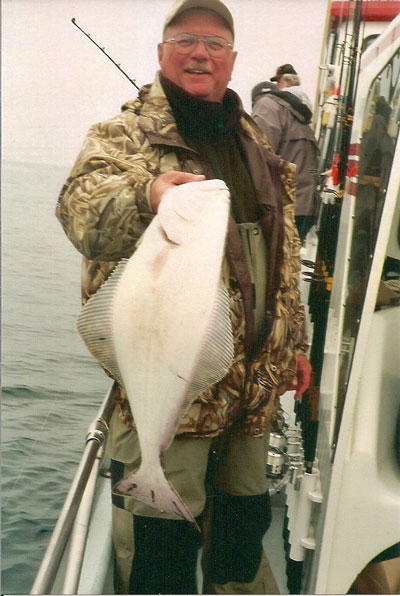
(160, 326)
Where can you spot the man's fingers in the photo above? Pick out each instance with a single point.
(177, 177)
(168, 180)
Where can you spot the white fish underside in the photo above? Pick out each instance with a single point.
(160, 325)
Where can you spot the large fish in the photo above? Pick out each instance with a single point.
(160, 325)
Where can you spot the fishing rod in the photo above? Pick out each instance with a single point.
(321, 282)
(73, 21)
(307, 409)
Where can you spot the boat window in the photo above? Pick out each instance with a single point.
(376, 151)
(368, 41)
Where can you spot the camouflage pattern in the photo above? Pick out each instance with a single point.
(104, 209)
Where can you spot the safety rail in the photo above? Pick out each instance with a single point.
(88, 469)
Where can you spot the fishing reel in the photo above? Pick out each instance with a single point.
(285, 458)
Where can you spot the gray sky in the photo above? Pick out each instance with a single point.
(56, 83)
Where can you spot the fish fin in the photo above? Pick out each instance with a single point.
(217, 351)
(95, 323)
(215, 357)
(155, 490)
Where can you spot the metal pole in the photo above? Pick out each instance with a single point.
(321, 63)
(80, 532)
(97, 434)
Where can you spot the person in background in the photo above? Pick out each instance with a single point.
(283, 111)
(285, 76)
(188, 126)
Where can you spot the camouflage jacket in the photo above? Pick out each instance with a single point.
(104, 208)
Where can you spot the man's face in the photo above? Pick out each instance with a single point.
(198, 73)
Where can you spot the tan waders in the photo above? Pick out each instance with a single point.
(224, 485)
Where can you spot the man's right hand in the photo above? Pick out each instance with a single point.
(166, 181)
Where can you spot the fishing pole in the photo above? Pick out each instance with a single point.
(73, 21)
(307, 410)
(321, 279)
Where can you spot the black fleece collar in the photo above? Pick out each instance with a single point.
(200, 119)
(294, 102)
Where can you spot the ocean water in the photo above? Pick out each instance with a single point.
(52, 387)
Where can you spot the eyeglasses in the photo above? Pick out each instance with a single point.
(185, 43)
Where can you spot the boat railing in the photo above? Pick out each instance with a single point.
(73, 519)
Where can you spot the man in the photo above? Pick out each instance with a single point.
(285, 76)
(188, 126)
(283, 112)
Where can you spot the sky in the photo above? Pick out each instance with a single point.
(56, 83)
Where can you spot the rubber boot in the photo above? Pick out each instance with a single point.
(165, 557)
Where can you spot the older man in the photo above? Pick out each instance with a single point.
(285, 76)
(284, 111)
(188, 126)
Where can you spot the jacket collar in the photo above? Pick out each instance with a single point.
(156, 119)
(296, 106)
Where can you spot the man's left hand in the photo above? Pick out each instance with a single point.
(301, 382)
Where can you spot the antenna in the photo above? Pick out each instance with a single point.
(73, 21)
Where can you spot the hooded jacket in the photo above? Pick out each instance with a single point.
(285, 120)
(104, 208)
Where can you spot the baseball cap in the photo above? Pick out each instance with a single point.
(281, 70)
(217, 6)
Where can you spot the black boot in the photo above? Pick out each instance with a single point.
(238, 524)
(165, 557)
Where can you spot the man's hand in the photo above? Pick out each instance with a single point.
(166, 181)
(301, 382)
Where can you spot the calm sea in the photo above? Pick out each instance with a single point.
(51, 385)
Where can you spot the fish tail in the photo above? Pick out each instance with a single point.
(154, 490)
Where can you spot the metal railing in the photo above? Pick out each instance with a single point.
(95, 440)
